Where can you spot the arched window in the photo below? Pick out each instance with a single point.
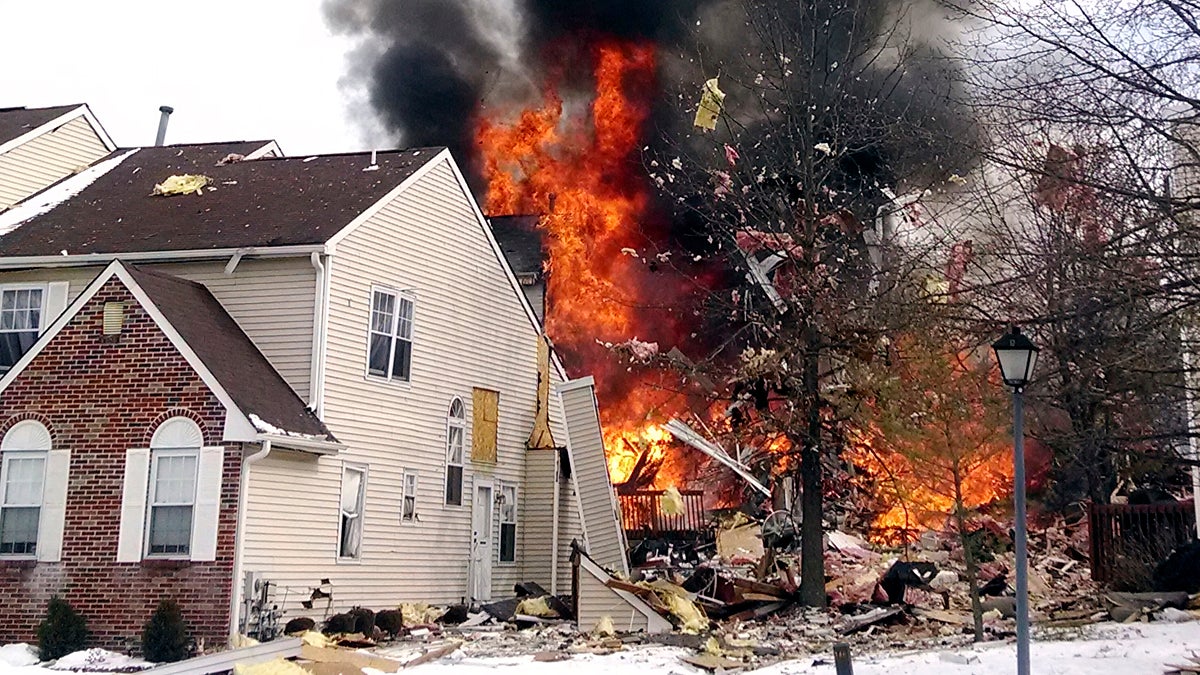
(174, 458)
(456, 432)
(24, 451)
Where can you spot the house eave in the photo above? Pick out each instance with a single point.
(93, 259)
(310, 445)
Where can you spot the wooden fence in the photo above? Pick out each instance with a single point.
(1125, 534)
(641, 513)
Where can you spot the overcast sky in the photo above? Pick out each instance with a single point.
(232, 69)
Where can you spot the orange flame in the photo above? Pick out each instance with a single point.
(583, 177)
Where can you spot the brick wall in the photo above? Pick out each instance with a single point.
(100, 398)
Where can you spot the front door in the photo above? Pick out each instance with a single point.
(481, 544)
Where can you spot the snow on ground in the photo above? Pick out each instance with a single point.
(1105, 648)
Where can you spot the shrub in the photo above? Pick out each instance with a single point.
(364, 620)
(390, 621)
(166, 637)
(340, 623)
(299, 625)
(63, 631)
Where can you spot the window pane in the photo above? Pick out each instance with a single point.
(352, 483)
(18, 530)
(404, 328)
(454, 485)
(348, 545)
(410, 506)
(455, 454)
(456, 410)
(508, 542)
(9, 300)
(175, 481)
(13, 345)
(381, 351)
(23, 484)
(402, 363)
(170, 529)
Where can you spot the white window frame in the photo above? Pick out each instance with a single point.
(155, 456)
(362, 513)
(459, 423)
(5, 460)
(399, 296)
(44, 288)
(505, 487)
(408, 492)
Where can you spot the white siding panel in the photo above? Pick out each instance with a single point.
(32, 166)
(470, 330)
(605, 538)
(537, 535)
(272, 299)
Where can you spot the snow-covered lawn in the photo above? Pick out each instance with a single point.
(1102, 649)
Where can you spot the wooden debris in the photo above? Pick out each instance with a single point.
(871, 618)
(712, 662)
(349, 657)
(944, 616)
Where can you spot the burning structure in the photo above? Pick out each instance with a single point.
(681, 259)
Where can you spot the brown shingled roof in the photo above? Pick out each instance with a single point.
(15, 122)
(263, 202)
(255, 386)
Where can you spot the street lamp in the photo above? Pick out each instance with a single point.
(1017, 356)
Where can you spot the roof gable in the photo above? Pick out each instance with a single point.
(21, 125)
(251, 203)
(260, 404)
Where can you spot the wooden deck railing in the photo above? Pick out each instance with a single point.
(1124, 534)
(641, 512)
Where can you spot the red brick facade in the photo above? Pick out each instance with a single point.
(100, 397)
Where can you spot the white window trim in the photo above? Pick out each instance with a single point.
(362, 514)
(152, 486)
(5, 458)
(453, 422)
(398, 294)
(515, 522)
(405, 495)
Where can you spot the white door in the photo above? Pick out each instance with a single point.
(481, 544)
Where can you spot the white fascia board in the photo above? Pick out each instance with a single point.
(90, 259)
(310, 445)
(101, 133)
(48, 127)
(237, 425)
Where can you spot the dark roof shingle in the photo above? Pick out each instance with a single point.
(255, 386)
(15, 122)
(256, 203)
(522, 241)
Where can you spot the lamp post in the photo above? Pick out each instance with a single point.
(1017, 356)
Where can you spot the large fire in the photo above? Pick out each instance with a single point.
(582, 174)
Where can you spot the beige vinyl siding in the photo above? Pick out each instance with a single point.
(570, 529)
(44, 160)
(470, 330)
(605, 538)
(596, 600)
(272, 299)
(537, 536)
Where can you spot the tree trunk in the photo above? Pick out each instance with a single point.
(812, 545)
(968, 554)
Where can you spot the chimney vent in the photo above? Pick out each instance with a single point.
(166, 111)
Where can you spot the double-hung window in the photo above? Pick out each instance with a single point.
(391, 341)
(21, 314)
(24, 475)
(172, 500)
(350, 530)
(508, 523)
(456, 431)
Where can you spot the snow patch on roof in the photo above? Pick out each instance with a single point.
(48, 199)
(266, 427)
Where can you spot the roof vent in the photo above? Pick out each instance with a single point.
(114, 318)
(166, 111)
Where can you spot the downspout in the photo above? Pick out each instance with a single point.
(317, 367)
(239, 546)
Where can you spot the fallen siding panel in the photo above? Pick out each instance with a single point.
(596, 600)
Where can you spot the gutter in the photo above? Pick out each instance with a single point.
(239, 546)
(89, 259)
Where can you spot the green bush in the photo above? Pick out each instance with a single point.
(166, 637)
(62, 632)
